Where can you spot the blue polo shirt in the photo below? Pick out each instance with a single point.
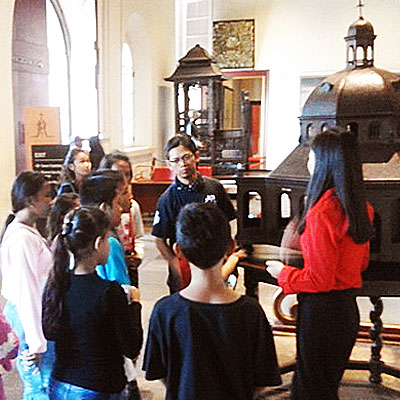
(204, 190)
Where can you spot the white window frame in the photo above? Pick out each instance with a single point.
(197, 14)
(127, 96)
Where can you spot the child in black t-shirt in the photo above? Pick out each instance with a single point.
(91, 320)
(208, 342)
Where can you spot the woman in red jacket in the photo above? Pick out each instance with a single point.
(334, 230)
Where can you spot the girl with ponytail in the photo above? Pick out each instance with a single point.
(26, 262)
(90, 319)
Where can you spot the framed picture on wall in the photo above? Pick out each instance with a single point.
(233, 43)
(41, 127)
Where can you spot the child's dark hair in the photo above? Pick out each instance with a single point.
(118, 176)
(96, 151)
(338, 165)
(61, 206)
(80, 230)
(67, 174)
(110, 159)
(180, 140)
(203, 234)
(99, 189)
(26, 185)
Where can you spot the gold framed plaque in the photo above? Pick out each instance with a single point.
(233, 43)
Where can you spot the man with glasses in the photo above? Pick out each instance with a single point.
(189, 187)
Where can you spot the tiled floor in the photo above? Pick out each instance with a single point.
(355, 385)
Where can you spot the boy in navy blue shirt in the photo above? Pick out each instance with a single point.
(189, 187)
(208, 342)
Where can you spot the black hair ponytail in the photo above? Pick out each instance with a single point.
(80, 229)
(55, 289)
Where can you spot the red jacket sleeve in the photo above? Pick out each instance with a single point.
(320, 254)
(331, 258)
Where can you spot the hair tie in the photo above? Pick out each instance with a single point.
(66, 228)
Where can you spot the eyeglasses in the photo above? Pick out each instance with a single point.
(185, 158)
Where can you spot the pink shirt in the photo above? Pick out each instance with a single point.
(26, 262)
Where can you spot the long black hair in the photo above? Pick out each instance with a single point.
(338, 165)
(26, 185)
(96, 151)
(76, 241)
(67, 174)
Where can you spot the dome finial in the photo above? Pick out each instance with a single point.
(360, 8)
(360, 42)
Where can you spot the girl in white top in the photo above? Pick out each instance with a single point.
(26, 262)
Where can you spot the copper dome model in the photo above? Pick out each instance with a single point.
(366, 101)
(361, 98)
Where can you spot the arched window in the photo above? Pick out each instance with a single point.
(254, 205)
(59, 46)
(350, 54)
(285, 206)
(324, 127)
(128, 95)
(309, 131)
(360, 55)
(253, 209)
(370, 54)
(71, 36)
(352, 127)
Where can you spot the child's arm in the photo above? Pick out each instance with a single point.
(127, 319)
(231, 263)
(138, 229)
(169, 256)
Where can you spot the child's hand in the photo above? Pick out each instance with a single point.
(274, 267)
(30, 359)
(240, 254)
(132, 293)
